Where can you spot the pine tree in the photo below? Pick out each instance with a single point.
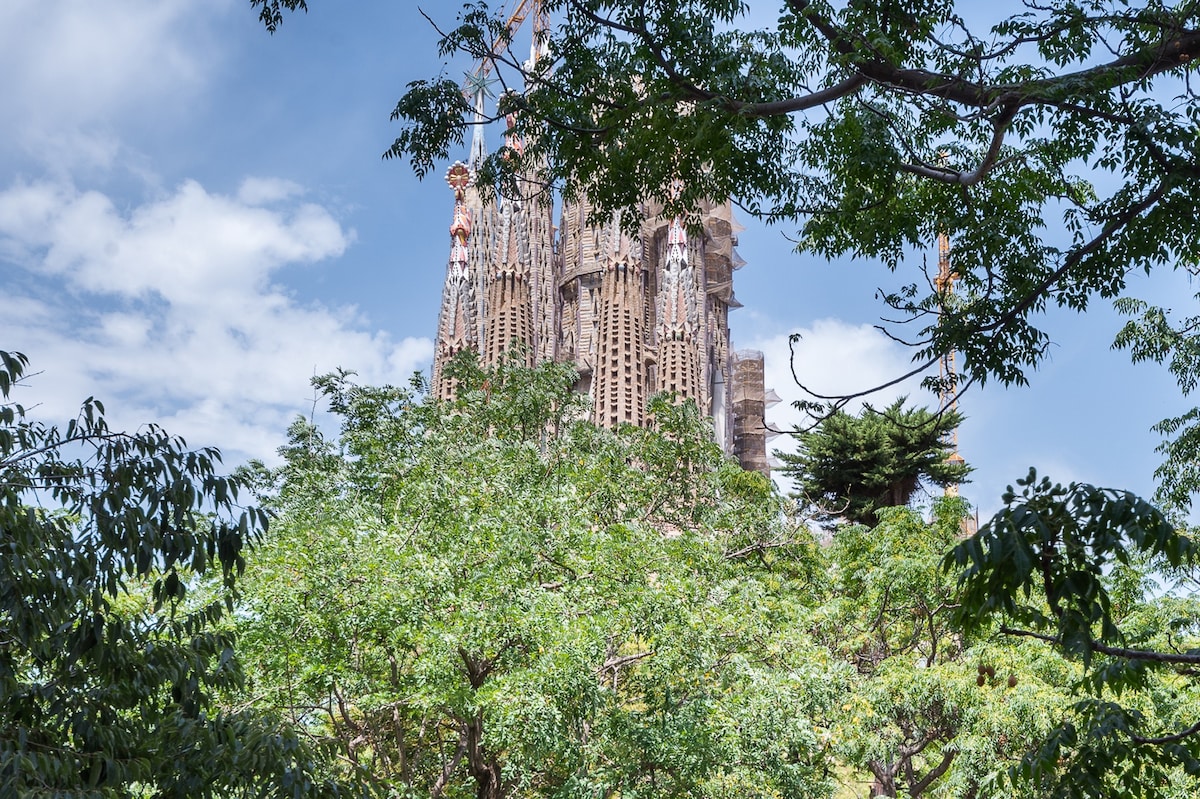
(849, 467)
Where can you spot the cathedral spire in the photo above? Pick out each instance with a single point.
(679, 360)
(456, 320)
(619, 380)
(509, 304)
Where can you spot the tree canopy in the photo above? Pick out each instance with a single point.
(493, 598)
(1055, 147)
(929, 712)
(851, 467)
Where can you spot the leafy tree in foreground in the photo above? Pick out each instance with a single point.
(107, 668)
(928, 712)
(1071, 567)
(492, 598)
(1054, 143)
(851, 467)
(1152, 335)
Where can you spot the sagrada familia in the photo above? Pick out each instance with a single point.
(635, 315)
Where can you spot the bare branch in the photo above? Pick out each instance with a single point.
(1149, 655)
(1167, 739)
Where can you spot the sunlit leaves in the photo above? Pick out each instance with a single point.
(927, 711)
(456, 593)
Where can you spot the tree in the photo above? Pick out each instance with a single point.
(1072, 567)
(455, 600)
(1055, 147)
(851, 467)
(491, 597)
(111, 654)
(928, 712)
(1153, 336)
(877, 126)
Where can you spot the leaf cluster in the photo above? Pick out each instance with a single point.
(109, 670)
(1152, 335)
(926, 712)
(1067, 566)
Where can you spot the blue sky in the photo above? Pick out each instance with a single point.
(195, 219)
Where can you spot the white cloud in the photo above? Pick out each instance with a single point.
(170, 311)
(833, 358)
(74, 70)
(263, 191)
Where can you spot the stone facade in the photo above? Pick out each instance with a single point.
(636, 314)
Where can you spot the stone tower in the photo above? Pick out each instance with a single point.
(459, 323)
(636, 314)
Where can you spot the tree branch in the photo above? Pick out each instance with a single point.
(917, 788)
(1000, 127)
(1166, 739)
(617, 662)
(1149, 655)
(448, 769)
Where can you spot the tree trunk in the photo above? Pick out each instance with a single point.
(484, 769)
(885, 779)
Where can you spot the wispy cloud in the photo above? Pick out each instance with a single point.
(78, 72)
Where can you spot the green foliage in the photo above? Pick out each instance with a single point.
(1059, 542)
(270, 12)
(851, 467)
(490, 597)
(108, 665)
(873, 126)
(927, 712)
(1152, 336)
(456, 600)
(1068, 566)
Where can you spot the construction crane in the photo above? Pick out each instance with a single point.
(947, 371)
(477, 89)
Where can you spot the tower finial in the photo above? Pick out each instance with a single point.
(458, 178)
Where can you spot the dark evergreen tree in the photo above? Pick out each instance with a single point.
(849, 467)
